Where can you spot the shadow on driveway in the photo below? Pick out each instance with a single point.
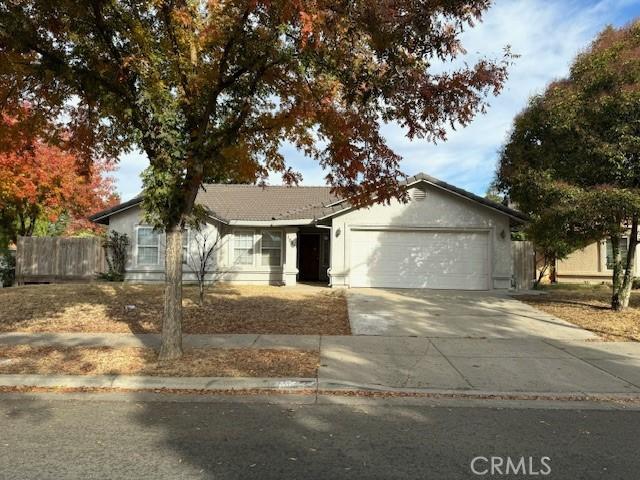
(464, 314)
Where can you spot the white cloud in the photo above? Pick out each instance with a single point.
(128, 174)
(546, 34)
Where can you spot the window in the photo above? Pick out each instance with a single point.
(623, 253)
(271, 248)
(148, 245)
(243, 248)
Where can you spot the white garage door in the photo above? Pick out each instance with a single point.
(419, 259)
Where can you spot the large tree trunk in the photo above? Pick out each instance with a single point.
(627, 281)
(171, 347)
(616, 279)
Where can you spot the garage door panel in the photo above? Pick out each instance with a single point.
(419, 259)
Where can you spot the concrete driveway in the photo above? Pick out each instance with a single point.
(446, 313)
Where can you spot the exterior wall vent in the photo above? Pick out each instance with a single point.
(418, 194)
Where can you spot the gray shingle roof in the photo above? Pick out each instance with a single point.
(256, 203)
(252, 202)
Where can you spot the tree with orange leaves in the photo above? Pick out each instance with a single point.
(210, 90)
(43, 183)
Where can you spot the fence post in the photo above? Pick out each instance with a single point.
(19, 261)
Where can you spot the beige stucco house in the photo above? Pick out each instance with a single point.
(592, 264)
(443, 238)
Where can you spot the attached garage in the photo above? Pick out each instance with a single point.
(436, 259)
(441, 237)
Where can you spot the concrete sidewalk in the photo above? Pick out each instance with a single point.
(469, 365)
(502, 365)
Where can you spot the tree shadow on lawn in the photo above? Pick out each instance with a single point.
(91, 308)
(592, 312)
(196, 362)
(129, 308)
(596, 298)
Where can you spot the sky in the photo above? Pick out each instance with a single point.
(547, 34)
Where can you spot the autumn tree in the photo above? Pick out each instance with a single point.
(42, 183)
(210, 90)
(572, 161)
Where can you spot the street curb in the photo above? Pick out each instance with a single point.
(127, 382)
(289, 386)
(346, 387)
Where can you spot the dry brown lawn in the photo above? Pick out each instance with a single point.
(197, 362)
(106, 307)
(590, 308)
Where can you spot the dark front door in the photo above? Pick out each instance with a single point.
(309, 261)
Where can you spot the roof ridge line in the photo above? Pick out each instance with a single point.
(296, 210)
(244, 185)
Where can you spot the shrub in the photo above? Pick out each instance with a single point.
(636, 283)
(116, 246)
(7, 268)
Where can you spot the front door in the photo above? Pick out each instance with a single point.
(309, 259)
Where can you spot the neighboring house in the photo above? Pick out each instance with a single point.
(592, 264)
(443, 238)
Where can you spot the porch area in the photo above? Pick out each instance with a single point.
(313, 256)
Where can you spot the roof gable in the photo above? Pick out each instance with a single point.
(342, 205)
(423, 177)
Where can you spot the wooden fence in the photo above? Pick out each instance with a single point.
(524, 270)
(57, 259)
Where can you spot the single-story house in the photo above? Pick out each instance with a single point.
(592, 264)
(443, 238)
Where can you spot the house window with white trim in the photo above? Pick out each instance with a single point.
(148, 246)
(243, 248)
(271, 248)
(623, 252)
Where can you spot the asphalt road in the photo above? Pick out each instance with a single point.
(127, 440)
